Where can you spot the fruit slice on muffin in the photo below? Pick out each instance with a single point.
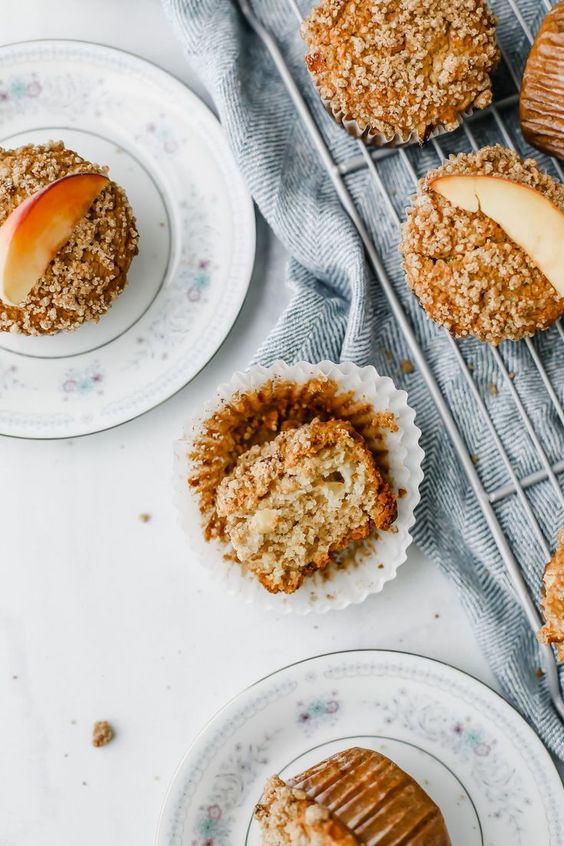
(67, 239)
(483, 246)
(292, 502)
(35, 231)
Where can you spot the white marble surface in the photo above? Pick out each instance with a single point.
(105, 617)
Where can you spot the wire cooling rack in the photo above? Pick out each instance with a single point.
(503, 113)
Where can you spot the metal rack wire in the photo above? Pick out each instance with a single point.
(370, 159)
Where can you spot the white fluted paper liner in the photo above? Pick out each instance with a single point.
(336, 588)
(378, 139)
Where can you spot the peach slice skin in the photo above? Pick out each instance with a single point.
(529, 218)
(33, 233)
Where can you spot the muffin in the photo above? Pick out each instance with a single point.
(89, 270)
(392, 70)
(541, 102)
(553, 601)
(293, 501)
(355, 797)
(467, 273)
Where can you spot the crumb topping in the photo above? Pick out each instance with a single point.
(89, 271)
(257, 416)
(465, 270)
(292, 502)
(553, 600)
(402, 66)
(288, 817)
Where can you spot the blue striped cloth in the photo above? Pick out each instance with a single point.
(339, 312)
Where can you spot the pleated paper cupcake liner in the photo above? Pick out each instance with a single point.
(378, 139)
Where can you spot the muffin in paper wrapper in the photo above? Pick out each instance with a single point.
(376, 559)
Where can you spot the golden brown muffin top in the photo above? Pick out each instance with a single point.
(89, 271)
(465, 270)
(402, 66)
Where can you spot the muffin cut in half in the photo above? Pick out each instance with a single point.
(467, 272)
(89, 270)
(292, 502)
(553, 600)
(392, 70)
(355, 797)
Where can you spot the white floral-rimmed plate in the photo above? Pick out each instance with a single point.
(476, 757)
(197, 237)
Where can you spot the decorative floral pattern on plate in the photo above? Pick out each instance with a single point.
(8, 378)
(77, 383)
(214, 820)
(318, 711)
(471, 743)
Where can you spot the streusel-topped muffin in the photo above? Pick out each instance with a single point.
(467, 273)
(401, 68)
(292, 502)
(88, 271)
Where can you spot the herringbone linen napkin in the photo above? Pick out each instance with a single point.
(339, 312)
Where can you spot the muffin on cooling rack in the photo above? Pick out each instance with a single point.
(553, 600)
(392, 71)
(67, 239)
(355, 797)
(293, 501)
(541, 101)
(483, 246)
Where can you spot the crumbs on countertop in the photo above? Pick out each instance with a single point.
(102, 733)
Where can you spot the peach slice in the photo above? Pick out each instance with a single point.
(33, 233)
(526, 216)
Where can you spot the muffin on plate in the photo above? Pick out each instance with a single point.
(468, 273)
(553, 601)
(393, 70)
(83, 233)
(293, 501)
(355, 797)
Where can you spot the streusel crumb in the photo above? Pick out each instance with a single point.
(294, 501)
(402, 66)
(553, 600)
(287, 816)
(90, 270)
(466, 272)
(102, 733)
